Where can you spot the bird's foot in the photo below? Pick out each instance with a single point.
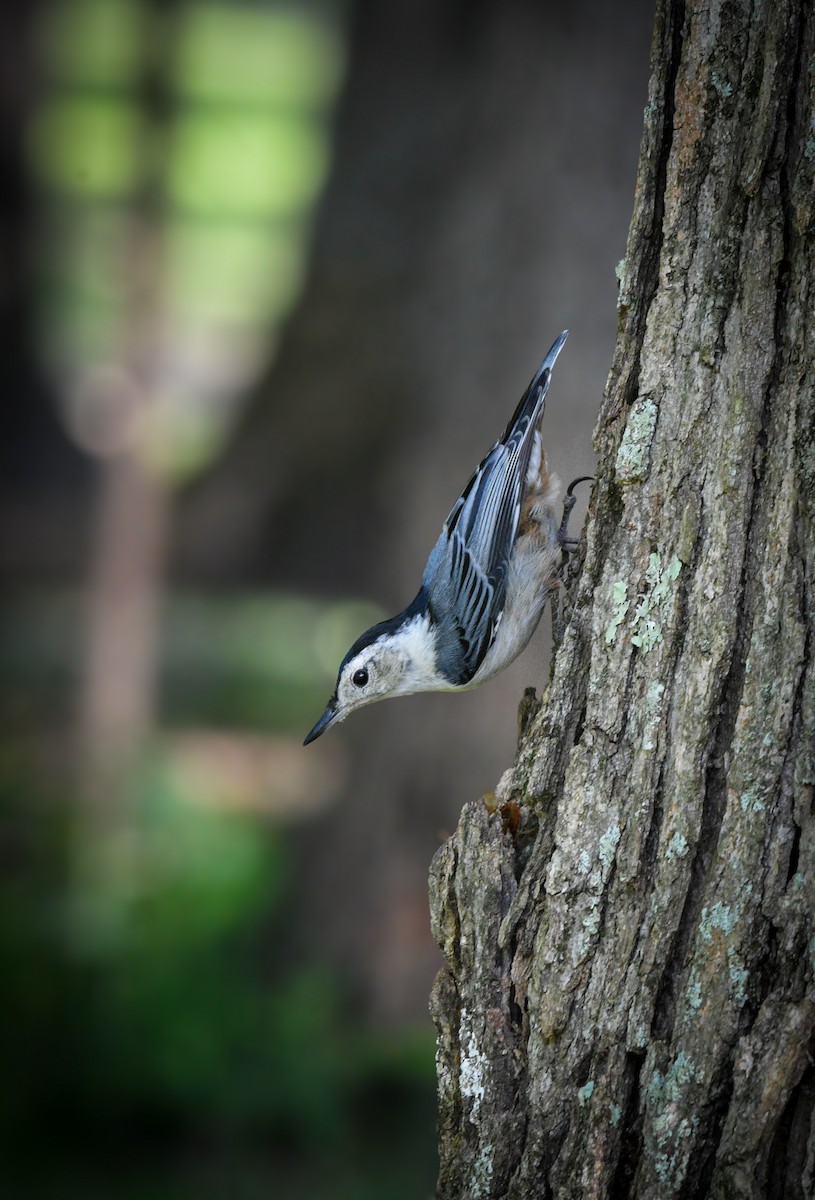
(564, 541)
(559, 594)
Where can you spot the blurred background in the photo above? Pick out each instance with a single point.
(273, 276)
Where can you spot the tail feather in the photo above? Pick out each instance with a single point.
(531, 403)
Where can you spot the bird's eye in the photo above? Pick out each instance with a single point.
(360, 677)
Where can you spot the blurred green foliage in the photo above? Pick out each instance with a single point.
(154, 1010)
(245, 165)
(180, 152)
(90, 145)
(255, 660)
(289, 56)
(163, 1035)
(94, 42)
(265, 267)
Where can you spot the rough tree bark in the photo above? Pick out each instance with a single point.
(627, 1004)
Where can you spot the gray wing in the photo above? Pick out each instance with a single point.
(466, 575)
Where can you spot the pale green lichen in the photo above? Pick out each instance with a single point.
(668, 1167)
(482, 1173)
(677, 847)
(653, 707)
(608, 844)
(654, 1088)
(751, 801)
(591, 923)
(616, 1112)
(665, 1090)
(722, 87)
(584, 1094)
(694, 994)
(663, 1167)
(473, 1068)
(668, 1129)
(632, 456)
(683, 1071)
(619, 611)
(653, 602)
(722, 918)
(619, 270)
(738, 976)
(719, 916)
(584, 862)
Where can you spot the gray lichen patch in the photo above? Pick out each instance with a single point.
(578, 863)
(633, 455)
(719, 916)
(483, 1168)
(682, 1072)
(669, 1131)
(693, 994)
(654, 602)
(722, 86)
(751, 800)
(620, 605)
(474, 1065)
(652, 714)
(677, 847)
(608, 844)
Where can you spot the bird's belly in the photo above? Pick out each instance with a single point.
(532, 572)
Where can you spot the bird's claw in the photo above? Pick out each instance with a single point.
(574, 483)
(564, 541)
(558, 598)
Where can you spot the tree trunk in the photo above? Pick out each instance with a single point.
(627, 1004)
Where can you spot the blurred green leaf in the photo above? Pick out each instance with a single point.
(84, 282)
(246, 164)
(262, 55)
(246, 273)
(91, 146)
(93, 42)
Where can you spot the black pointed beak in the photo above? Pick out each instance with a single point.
(327, 719)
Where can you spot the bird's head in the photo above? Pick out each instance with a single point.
(393, 658)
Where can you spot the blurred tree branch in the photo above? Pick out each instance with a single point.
(627, 1003)
(133, 508)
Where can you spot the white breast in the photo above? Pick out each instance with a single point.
(532, 571)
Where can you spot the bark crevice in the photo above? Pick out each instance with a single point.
(631, 1129)
(791, 1164)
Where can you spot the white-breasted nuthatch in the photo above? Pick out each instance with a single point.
(486, 581)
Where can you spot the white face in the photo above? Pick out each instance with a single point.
(396, 665)
(378, 671)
